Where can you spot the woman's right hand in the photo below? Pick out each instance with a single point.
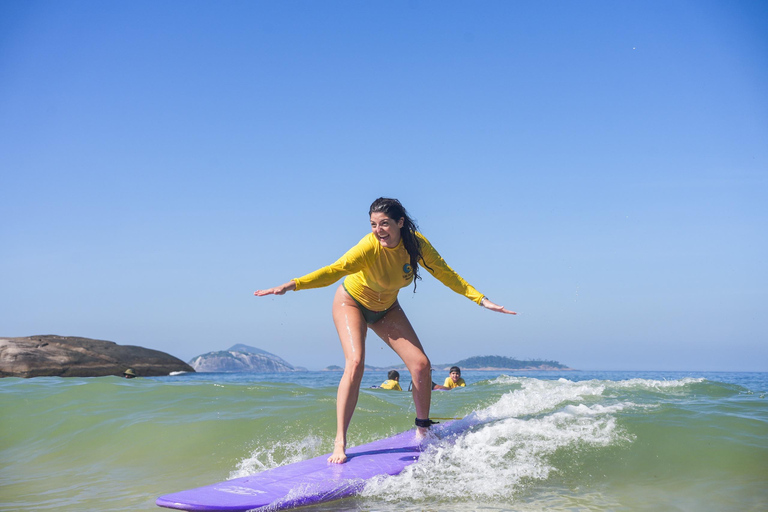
(487, 304)
(277, 290)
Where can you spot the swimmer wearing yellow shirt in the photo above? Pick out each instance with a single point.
(384, 261)
(392, 382)
(454, 379)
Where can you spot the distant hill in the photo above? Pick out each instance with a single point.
(508, 363)
(253, 350)
(241, 358)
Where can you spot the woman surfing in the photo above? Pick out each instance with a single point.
(383, 262)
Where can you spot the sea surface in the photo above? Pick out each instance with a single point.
(622, 441)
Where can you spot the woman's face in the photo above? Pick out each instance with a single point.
(387, 230)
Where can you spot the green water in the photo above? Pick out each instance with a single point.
(618, 441)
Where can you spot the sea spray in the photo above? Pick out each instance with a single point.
(277, 454)
(511, 446)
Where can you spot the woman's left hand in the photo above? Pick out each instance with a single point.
(487, 304)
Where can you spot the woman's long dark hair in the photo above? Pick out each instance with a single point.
(395, 211)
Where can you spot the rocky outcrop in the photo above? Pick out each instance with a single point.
(253, 350)
(65, 356)
(241, 358)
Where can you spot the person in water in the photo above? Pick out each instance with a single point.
(392, 382)
(454, 379)
(385, 260)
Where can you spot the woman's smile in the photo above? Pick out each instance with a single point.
(387, 230)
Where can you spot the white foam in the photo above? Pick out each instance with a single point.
(496, 460)
(537, 396)
(262, 459)
(629, 383)
(656, 384)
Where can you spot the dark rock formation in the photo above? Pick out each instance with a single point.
(241, 358)
(64, 356)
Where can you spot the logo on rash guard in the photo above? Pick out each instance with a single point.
(408, 271)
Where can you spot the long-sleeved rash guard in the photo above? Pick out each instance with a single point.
(375, 274)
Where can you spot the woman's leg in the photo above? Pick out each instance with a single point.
(352, 329)
(396, 331)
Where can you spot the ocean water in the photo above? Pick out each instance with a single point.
(623, 441)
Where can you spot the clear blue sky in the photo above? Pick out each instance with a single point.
(599, 166)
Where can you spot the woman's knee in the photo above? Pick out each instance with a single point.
(420, 365)
(354, 368)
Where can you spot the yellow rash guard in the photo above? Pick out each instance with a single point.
(375, 274)
(450, 384)
(391, 384)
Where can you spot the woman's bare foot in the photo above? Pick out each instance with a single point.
(338, 456)
(421, 433)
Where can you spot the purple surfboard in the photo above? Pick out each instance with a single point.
(311, 481)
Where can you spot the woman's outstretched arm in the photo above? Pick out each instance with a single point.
(352, 261)
(277, 290)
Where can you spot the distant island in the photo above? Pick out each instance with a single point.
(487, 363)
(506, 363)
(242, 358)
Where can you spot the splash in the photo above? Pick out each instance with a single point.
(278, 454)
(513, 444)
